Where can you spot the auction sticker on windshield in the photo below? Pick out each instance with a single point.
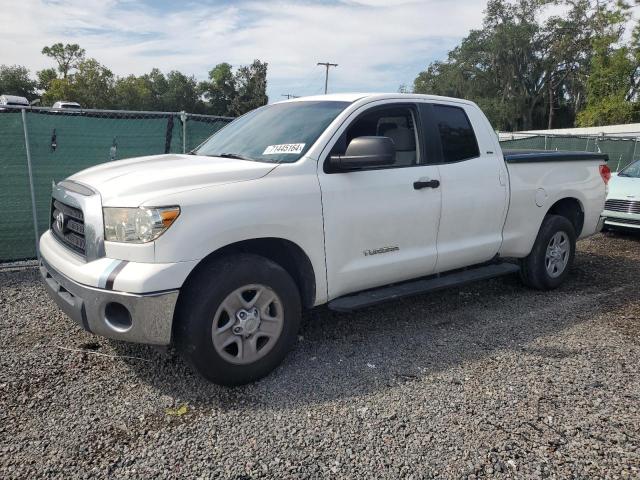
(283, 148)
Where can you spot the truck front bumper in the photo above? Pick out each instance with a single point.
(140, 318)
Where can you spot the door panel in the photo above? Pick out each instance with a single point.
(474, 187)
(379, 228)
(473, 207)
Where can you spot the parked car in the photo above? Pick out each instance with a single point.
(66, 105)
(13, 101)
(622, 208)
(347, 200)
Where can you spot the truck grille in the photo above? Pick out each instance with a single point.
(67, 224)
(625, 206)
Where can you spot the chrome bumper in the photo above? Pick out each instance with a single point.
(139, 318)
(600, 224)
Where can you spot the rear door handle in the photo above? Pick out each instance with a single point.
(424, 183)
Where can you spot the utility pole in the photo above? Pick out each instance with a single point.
(289, 95)
(326, 74)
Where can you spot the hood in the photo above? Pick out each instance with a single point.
(624, 188)
(131, 182)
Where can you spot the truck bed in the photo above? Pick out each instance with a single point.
(531, 156)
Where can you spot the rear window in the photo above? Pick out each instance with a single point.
(456, 134)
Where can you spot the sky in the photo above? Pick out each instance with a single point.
(377, 44)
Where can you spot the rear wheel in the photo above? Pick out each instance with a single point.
(548, 264)
(237, 318)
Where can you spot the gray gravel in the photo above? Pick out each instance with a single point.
(492, 380)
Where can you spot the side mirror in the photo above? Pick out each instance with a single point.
(365, 152)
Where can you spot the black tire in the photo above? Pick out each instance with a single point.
(534, 269)
(203, 295)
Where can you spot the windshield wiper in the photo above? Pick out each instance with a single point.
(234, 155)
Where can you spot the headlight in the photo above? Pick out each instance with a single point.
(137, 225)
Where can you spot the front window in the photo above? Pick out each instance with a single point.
(632, 170)
(396, 122)
(279, 133)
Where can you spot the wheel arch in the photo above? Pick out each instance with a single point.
(285, 253)
(572, 209)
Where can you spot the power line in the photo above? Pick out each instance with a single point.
(326, 75)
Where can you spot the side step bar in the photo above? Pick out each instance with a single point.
(379, 295)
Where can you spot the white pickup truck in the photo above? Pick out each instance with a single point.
(347, 200)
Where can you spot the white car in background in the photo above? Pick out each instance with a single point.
(622, 208)
(13, 101)
(67, 105)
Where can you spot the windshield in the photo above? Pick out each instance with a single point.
(632, 170)
(277, 133)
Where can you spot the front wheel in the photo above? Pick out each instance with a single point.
(237, 319)
(548, 264)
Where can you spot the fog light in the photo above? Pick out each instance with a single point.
(118, 317)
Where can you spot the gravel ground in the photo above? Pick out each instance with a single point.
(491, 380)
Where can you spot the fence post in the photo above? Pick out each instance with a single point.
(545, 142)
(33, 195)
(183, 118)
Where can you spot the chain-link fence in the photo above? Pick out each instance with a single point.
(621, 150)
(39, 146)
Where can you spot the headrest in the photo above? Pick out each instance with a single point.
(403, 139)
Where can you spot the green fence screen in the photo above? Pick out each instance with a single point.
(63, 143)
(621, 150)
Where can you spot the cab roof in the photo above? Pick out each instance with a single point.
(354, 97)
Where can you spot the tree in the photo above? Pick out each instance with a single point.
(66, 56)
(527, 73)
(134, 93)
(45, 77)
(220, 91)
(15, 80)
(614, 80)
(611, 87)
(498, 66)
(158, 84)
(181, 93)
(251, 85)
(92, 85)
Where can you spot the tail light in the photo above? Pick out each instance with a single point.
(605, 173)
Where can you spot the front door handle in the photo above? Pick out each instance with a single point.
(424, 183)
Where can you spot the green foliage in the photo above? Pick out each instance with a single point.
(66, 56)
(91, 85)
(251, 88)
(134, 91)
(527, 73)
(15, 80)
(612, 86)
(610, 110)
(45, 77)
(220, 90)
(181, 93)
